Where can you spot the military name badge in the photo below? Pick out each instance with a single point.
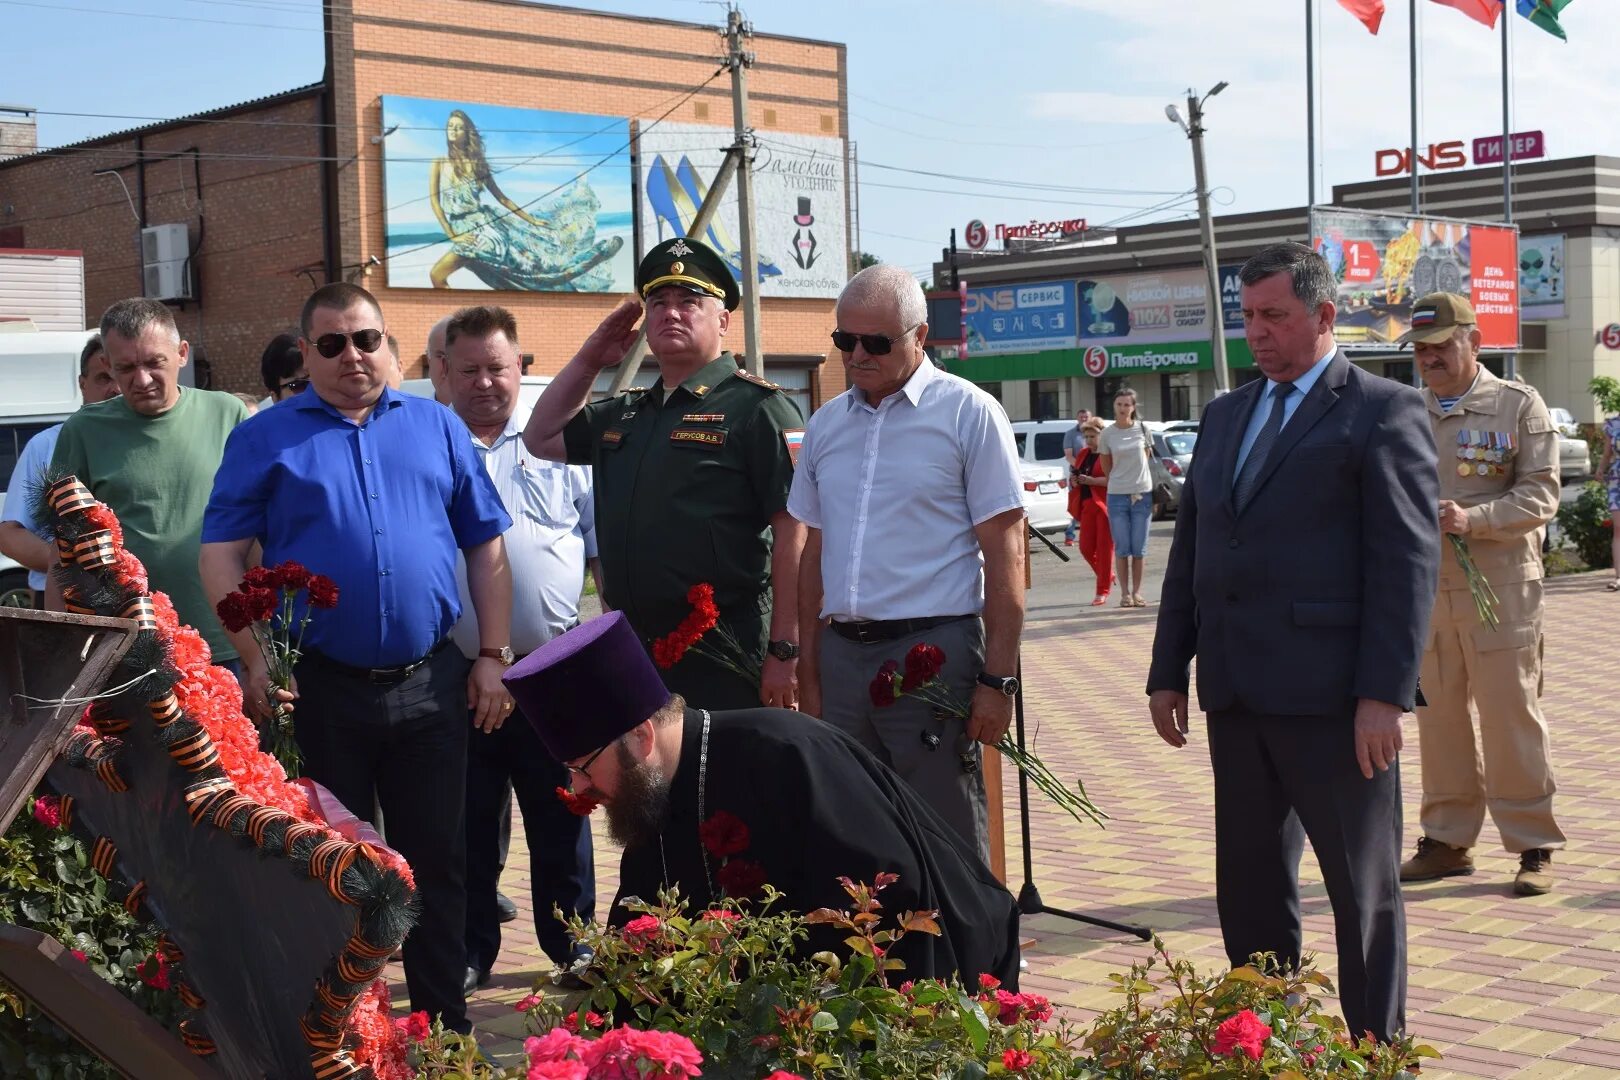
(794, 437)
(612, 437)
(704, 418)
(700, 436)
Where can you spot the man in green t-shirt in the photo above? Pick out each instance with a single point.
(151, 455)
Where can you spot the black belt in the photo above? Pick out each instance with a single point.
(865, 633)
(385, 675)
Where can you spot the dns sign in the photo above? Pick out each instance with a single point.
(1446, 155)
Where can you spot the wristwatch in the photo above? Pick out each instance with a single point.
(783, 650)
(503, 654)
(1007, 684)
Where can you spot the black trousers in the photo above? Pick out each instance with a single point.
(1279, 780)
(403, 748)
(562, 872)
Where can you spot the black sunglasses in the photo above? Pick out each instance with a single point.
(367, 341)
(874, 344)
(585, 769)
(295, 386)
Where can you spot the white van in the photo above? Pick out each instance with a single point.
(39, 388)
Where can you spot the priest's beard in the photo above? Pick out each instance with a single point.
(636, 813)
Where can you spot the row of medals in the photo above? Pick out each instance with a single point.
(1484, 453)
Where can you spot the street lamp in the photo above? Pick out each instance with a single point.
(1195, 133)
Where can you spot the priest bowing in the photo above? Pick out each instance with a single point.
(717, 804)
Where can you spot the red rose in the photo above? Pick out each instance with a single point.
(882, 688)
(923, 662)
(1242, 1033)
(723, 834)
(80, 954)
(741, 878)
(48, 811)
(323, 592)
(291, 575)
(577, 804)
(989, 982)
(259, 577)
(158, 977)
(414, 1027)
(232, 612)
(1016, 1060)
(641, 932)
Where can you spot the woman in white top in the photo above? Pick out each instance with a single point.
(1125, 448)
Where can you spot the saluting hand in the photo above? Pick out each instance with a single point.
(612, 339)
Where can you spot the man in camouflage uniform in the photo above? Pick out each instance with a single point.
(1498, 488)
(691, 478)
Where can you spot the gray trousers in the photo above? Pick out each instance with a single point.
(928, 751)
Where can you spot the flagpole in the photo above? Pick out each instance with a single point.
(1411, 67)
(1310, 112)
(1510, 363)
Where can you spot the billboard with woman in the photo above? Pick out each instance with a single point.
(492, 197)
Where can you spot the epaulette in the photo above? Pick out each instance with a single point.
(757, 380)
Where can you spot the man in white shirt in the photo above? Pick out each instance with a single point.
(19, 536)
(909, 485)
(550, 543)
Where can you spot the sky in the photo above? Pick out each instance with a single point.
(1026, 109)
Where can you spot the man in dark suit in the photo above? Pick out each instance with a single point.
(1301, 576)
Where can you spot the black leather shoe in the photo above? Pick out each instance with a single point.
(475, 980)
(503, 904)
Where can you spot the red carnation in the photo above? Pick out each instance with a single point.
(291, 575)
(577, 804)
(882, 688)
(1242, 1033)
(741, 878)
(323, 591)
(258, 577)
(260, 604)
(232, 612)
(415, 1027)
(923, 663)
(723, 834)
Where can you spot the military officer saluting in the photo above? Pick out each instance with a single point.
(1498, 490)
(691, 476)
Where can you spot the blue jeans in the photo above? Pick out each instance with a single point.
(1129, 522)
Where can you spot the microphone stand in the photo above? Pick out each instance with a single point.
(1029, 897)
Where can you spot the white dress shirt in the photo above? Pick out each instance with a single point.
(553, 533)
(896, 491)
(32, 465)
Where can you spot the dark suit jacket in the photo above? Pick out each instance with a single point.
(1320, 591)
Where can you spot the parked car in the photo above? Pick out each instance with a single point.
(1172, 457)
(1045, 472)
(1574, 455)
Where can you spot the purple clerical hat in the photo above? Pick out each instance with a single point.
(583, 689)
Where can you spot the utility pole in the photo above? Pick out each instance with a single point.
(739, 61)
(1194, 127)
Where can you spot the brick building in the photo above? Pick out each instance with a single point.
(288, 191)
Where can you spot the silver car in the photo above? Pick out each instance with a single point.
(1172, 457)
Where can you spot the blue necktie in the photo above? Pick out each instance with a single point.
(1243, 487)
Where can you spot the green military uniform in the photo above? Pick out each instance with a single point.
(686, 483)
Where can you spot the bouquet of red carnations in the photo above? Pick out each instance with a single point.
(276, 603)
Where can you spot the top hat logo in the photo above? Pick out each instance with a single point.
(803, 216)
(804, 241)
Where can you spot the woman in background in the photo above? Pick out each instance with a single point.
(1125, 447)
(1088, 504)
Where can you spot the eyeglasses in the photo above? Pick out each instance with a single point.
(296, 386)
(585, 769)
(367, 341)
(874, 344)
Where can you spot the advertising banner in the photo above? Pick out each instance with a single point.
(1541, 275)
(801, 243)
(1144, 308)
(1384, 262)
(1020, 318)
(491, 197)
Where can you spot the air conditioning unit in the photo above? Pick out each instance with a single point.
(165, 255)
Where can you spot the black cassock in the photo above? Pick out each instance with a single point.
(818, 806)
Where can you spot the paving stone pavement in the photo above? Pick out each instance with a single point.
(1503, 986)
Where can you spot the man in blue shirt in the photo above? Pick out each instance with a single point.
(377, 490)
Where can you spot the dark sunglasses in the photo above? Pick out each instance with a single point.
(367, 341)
(585, 769)
(874, 344)
(295, 386)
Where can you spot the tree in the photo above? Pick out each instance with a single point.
(863, 259)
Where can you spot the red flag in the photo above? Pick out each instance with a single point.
(1370, 12)
(1484, 11)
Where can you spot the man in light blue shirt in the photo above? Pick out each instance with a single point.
(1257, 419)
(551, 541)
(19, 533)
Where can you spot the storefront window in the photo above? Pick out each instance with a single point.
(1175, 396)
(1107, 387)
(1043, 399)
(1399, 370)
